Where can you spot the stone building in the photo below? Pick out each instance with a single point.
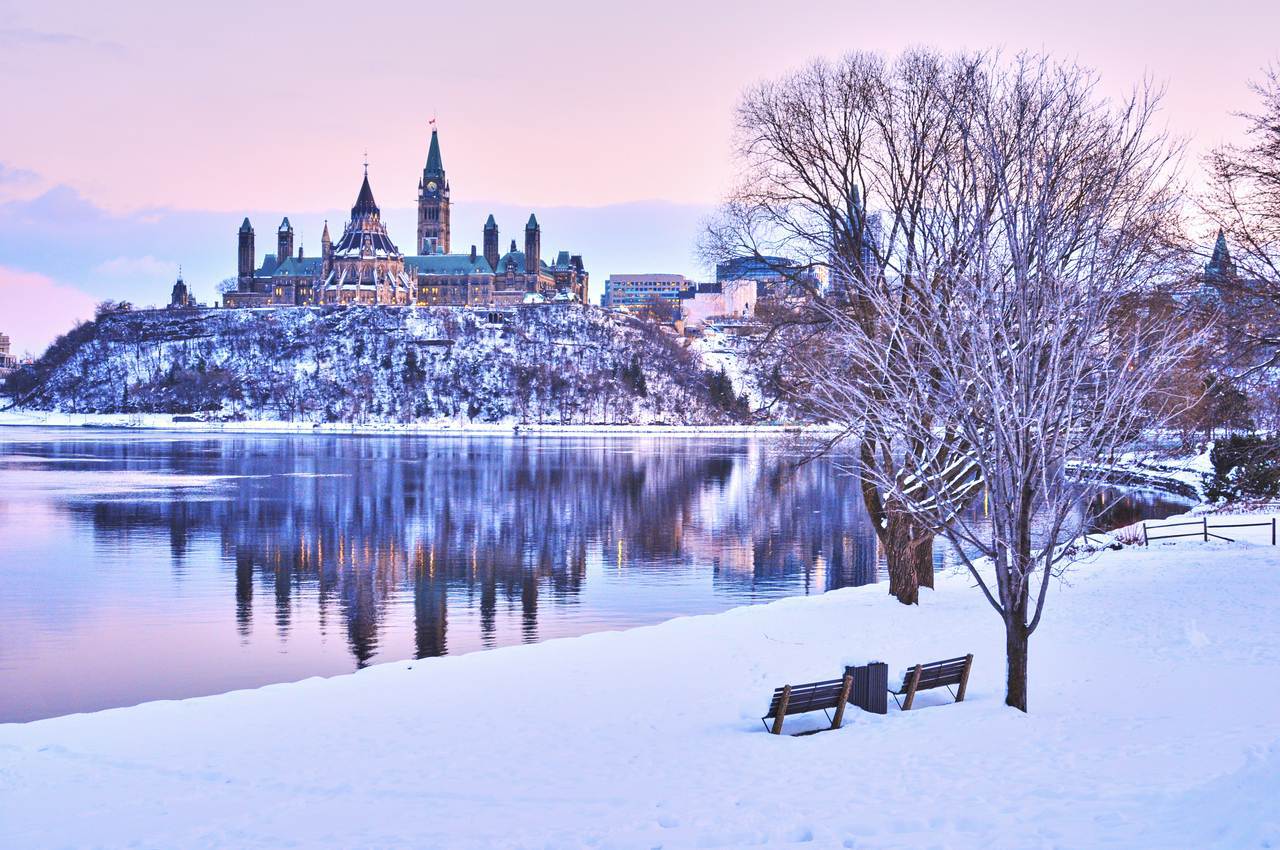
(364, 266)
(180, 296)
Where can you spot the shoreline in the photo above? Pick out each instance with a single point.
(171, 422)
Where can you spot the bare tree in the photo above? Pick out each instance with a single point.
(818, 148)
(1014, 347)
(1244, 201)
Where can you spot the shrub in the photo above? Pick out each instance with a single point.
(1245, 466)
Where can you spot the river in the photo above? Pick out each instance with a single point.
(143, 565)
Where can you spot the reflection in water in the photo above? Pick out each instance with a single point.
(405, 546)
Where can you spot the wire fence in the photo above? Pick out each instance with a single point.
(1202, 529)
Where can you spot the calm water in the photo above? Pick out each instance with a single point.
(138, 566)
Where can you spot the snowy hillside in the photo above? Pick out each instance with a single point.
(382, 364)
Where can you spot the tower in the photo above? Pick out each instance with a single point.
(326, 244)
(284, 241)
(180, 296)
(1220, 266)
(433, 203)
(244, 270)
(491, 243)
(532, 245)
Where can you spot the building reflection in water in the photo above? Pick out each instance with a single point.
(362, 526)
(507, 530)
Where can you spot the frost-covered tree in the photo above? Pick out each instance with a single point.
(1014, 349)
(842, 168)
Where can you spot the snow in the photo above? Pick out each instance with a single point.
(1153, 724)
(169, 422)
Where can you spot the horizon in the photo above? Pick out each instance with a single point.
(620, 139)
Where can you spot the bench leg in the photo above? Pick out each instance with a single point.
(844, 697)
(911, 688)
(964, 677)
(782, 710)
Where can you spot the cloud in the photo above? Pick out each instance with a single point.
(16, 38)
(19, 183)
(137, 269)
(35, 309)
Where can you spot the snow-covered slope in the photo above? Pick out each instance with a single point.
(384, 364)
(1153, 726)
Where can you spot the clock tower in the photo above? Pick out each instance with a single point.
(433, 203)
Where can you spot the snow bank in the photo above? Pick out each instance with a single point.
(1153, 692)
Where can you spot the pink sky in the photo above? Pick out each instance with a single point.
(235, 107)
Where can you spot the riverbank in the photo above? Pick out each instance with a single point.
(1152, 725)
(169, 422)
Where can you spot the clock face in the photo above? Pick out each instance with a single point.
(431, 186)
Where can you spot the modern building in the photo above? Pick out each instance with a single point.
(776, 277)
(623, 291)
(366, 267)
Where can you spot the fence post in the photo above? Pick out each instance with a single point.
(1273, 531)
(1206, 529)
(1145, 541)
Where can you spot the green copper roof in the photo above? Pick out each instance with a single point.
(533, 222)
(445, 264)
(285, 225)
(434, 164)
(490, 224)
(365, 204)
(246, 227)
(1220, 264)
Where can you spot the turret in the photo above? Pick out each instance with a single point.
(491, 243)
(532, 245)
(179, 296)
(284, 241)
(244, 269)
(326, 244)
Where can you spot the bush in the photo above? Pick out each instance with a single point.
(1245, 466)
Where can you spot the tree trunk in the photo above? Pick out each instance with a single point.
(1015, 639)
(901, 545)
(924, 560)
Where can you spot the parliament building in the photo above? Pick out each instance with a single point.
(365, 267)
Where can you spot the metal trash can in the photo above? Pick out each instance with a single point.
(870, 690)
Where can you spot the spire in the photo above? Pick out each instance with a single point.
(365, 205)
(324, 237)
(246, 227)
(533, 222)
(490, 224)
(434, 163)
(1220, 264)
(284, 225)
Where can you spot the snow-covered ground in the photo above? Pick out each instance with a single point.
(1155, 678)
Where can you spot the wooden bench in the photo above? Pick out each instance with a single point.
(799, 699)
(939, 674)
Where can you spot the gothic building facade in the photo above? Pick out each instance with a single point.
(365, 267)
